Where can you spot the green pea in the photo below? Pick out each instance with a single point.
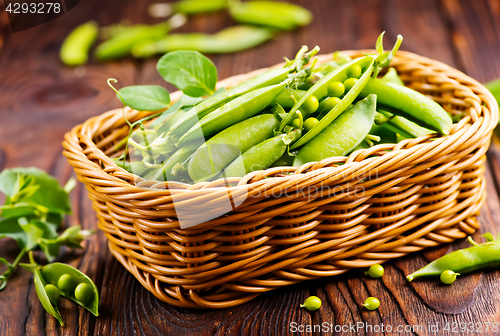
(310, 105)
(66, 283)
(312, 303)
(336, 89)
(296, 123)
(371, 303)
(354, 71)
(52, 292)
(448, 277)
(349, 83)
(331, 103)
(309, 123)
(375, 271)
(83, 293)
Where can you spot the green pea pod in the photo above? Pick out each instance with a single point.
(486, 255)
(191, 7)
(40, 283)
(108, 32)
(342, 135)
(182, 154)
(236, 110)
(405, 125)
(340, 73)
(410, 104)
(50, 307)
(337, 75)
(218, 152)
(75, 48)
(229, 40)
(262, 155)
(52, 272)
(121, 44)
(134, 167)
(270, 77)
(288, 97)
(278, 15)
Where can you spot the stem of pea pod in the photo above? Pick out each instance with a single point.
(11, 267)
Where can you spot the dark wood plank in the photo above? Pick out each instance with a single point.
(41, 100)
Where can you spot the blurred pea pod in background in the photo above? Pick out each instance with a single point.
(228, 40)
(279, 15)
(261, 21)
(122, 42)
(187, 7)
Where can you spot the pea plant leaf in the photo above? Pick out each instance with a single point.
(72, 238)
(33, 232)
(48, 196)
(145, 97)
(9, 227)
(190, 71)
(488, 236)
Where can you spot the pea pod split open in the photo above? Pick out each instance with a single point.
(53, 272)
(342, 135)
(45, 300)
(339, 74)
(486, 255)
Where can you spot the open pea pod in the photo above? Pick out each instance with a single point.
(52, 273)
(44, 298)
(339, 74)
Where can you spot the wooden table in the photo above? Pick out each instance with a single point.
(40, 100)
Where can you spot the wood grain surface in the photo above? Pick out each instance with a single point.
(40, 100)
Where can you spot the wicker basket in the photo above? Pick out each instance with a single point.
(293, 224)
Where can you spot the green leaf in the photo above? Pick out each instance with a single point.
(32, 233)
(190, 71)
(22, 209)
(9, 227)
(379, 45)
(50, 248)
(488, 236)
(35, 230)
(49, 194)
(145, 97)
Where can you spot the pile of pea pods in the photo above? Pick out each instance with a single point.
(302, 112)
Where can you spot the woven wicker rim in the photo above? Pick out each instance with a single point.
(480, 119)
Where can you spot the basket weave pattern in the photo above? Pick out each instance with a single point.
(294, 223)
